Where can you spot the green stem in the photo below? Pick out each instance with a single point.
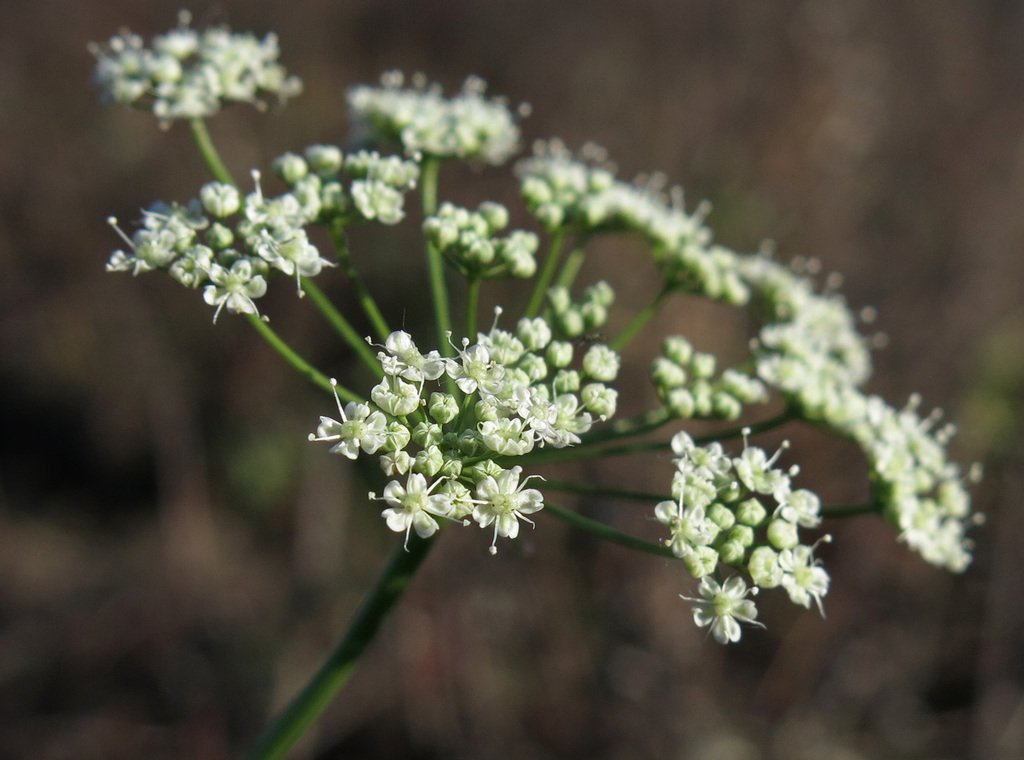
(753, 428)
(642, 318)
(342, 326)
(209, 153)
(851, 510)
(472, 303)
(339, 665)
(588, 489)
(435, 264)
(572, 264)
(299, 364)
(625, 428)
(547, 272)
(366, 301)
(606, 532)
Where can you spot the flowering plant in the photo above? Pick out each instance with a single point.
(458, 428)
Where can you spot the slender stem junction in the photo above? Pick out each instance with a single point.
(209, 153)
(366, 301)
(341, 326)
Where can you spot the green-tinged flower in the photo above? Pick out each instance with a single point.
(503, 501)
(722, 607)
(414, 506)
(234, 288)
(359, 428)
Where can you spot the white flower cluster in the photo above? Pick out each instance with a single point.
(515, 391)
(583, 196)
(687, 386)
(742, 512)
(811, 351)
(228, 244)
(187, 75)
(467, 239)
(423, 121)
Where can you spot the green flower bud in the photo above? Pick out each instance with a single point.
(783, 534)
(429, 461)
(701, 561)
(290, 167)
(741, 534)
(677, 349)
(601, 363)
(732, 552)
(443, 407)
(751, 512)
(426, 434)
(763, 567)
(325, 160)
(567, 381)
(721, 516)
(666, 374)
(559, 353)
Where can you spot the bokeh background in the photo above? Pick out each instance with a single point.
(175, 559)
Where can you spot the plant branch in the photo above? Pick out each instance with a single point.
(341, 326)
(309, 703)
(547, 272)
(606, 532)
(214, 164)
(366, 301)
(299, 364)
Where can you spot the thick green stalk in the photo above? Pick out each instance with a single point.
(642, 318)
(366, 301)
(299, 364)
(605, 532)
(209, 153)
(546, 273)
(309, 703)
(342, 326)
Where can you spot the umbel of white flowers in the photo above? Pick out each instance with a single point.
(187, 75)
(453, 430)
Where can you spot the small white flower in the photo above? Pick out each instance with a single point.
(503, 502)
(359, 428)
(803, 576)
(723, 607)
(413, 506)
(234, 288)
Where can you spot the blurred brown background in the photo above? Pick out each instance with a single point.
(175, 559)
